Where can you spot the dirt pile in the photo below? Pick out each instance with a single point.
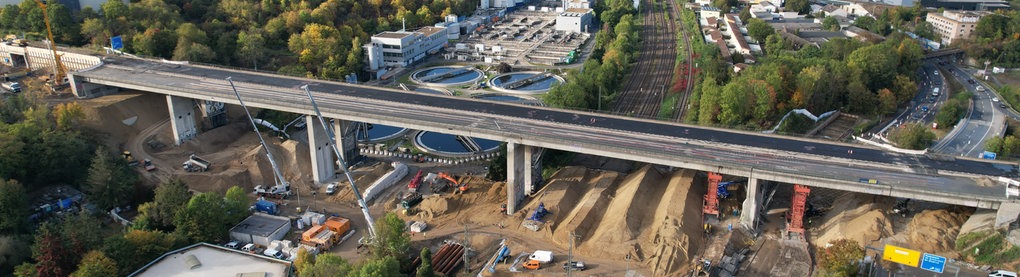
(935, 231)
(121, 116)
(432, 207)
(644, 215)
(854, 216)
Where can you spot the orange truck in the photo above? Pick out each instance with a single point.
(328, 234)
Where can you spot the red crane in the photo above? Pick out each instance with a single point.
(712, 195)
(796, 213)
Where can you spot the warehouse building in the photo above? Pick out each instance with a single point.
(203, 259)
(260, 229)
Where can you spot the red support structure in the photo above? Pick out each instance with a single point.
(796, 214)
(712, 195)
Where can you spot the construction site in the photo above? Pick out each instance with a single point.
(604, 216)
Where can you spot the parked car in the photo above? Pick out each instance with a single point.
(233, 244)
(575, 265)
(331, 188)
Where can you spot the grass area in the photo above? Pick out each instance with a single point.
(987, 247)
(668, 105)
(1010, 78)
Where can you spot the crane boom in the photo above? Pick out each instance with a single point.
(280, 182)
(343, 164)
(59, 69)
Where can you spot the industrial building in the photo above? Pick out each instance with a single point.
(954, 25)
(576, 20)
(260, 229)
(203, 259)
(402, 48)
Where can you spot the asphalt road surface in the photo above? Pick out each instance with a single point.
(985, 121)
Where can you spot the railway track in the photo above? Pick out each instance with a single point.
(683, 103)
(648, 82)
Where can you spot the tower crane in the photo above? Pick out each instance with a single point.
(59, 69)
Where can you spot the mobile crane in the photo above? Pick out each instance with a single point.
(347, 170)
(282, 187)
(57, 82)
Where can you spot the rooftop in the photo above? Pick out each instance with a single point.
(203, 259)
(428, 31)
(393, 34)
(260, 224)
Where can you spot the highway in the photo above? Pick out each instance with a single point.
(784, 159)
(985, 121)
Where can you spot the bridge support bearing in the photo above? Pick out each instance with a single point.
(750, 209)
(1006, 214)
(319, 150)
(182, 118)
(519, 174)
(346, 135)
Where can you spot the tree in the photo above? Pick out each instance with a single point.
(875, 63)
(830, 23)
(759, 30)
(425, 269)
(236, 205)
(912, 136)
(304, 258)
(13, 251)
(49, 253)
(250, 47)
(109, 180)
(95, 264)
(497, 167)
(926, 30)
(840, 259)
(745, 14)
(13, 207)
(170, 197)
(203, 219)
(327, 264)
(799, 6)
(390, 238)
(138, 247)
(68, 115)
(384, 266)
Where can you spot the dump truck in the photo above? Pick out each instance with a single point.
(196, 164)
(12, 76)
(410, 200)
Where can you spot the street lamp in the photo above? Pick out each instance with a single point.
(986, 67)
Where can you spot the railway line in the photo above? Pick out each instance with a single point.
(649, 80)
(683, 103)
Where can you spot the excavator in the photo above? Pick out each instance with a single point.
(59, 80)
(453, 182)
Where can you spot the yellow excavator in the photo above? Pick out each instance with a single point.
(58, 81)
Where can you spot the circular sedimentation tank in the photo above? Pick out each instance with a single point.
(378, 132)
(447, 76)
(527, 82)
(451, 145)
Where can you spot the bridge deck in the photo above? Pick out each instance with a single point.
(772, 157)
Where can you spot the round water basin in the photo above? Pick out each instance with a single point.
(445, 144)
(447, 76)
(530, 82)
(378, 132)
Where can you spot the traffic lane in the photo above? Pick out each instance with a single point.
(984, 117)
(566, 117)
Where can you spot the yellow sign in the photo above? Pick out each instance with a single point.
(901, 255)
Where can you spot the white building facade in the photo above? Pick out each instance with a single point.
(574, 20)
(403, 48)
(954, 25)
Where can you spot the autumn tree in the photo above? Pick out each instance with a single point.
(135, 248)
(327, 265)
(50, 254)
(95, 264)
(912, 136)
(840, 258)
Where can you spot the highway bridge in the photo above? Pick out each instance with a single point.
(960, 181)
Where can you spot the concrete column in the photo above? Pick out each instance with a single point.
(1006, 214)
(182, 114)
(750, 210)
(346, 133)
(532, 170)
(515, 175)
(320, 151)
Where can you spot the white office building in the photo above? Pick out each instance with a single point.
(402, 48)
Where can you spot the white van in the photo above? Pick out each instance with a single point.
(1002, 273)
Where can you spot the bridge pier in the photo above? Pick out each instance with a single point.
(319, 150)
(346, 133)
(182, 118)
(750, 209)
(520, 173)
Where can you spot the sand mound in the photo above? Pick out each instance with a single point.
(586, 216)
(631, 209)
(123, 115)
(677, 218)
(935, 231)
(857, 217)
(570, 173)
(432, 207)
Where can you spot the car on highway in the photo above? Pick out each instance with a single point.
(1002, 273)
(995, 99)
(970, 81)
(924, 108)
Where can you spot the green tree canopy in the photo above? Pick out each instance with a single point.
(95, 264)
(170, 198)
(390, 238)
(13, 207)
(109, 180)
(759, 30)
(203, 219)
